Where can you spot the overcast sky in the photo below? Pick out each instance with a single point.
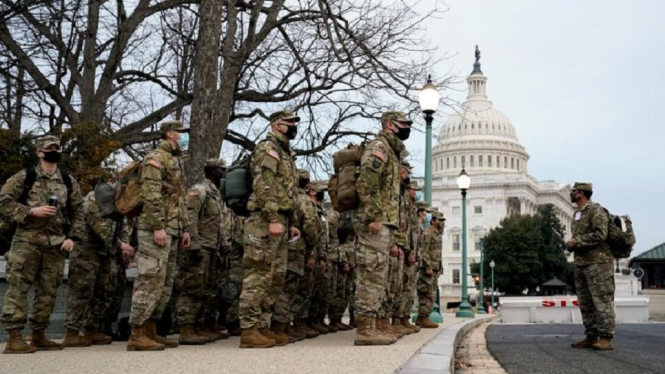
(582, 83)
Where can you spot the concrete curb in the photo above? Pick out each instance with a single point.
(438, 355)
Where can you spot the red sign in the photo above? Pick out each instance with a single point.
(562, 303)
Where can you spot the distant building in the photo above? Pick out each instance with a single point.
(482, 139)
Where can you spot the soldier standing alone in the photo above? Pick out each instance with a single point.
(162, 226)
(594, 270)
(48, 214)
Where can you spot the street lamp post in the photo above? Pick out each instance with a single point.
(492, 264)
(481, 309)
(463, 182)
(429, 99)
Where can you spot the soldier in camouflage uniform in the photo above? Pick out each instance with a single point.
(378, 188)
(37, 255)
(594, 273)
(273, 220)
(91, 268)
(197, 266)
(338, 269)
(286, 309)
(318, 304)
(311, 225)
(347, 242)
(402, 314)
(430, 269)
(162, 225)
(232, 275)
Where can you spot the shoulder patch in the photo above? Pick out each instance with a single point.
(193, 193)
(154, 163)
(379, 154)
(273, 153)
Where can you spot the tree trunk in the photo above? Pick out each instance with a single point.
(204, 115)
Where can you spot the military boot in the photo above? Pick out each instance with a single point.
(279, 329)
(310, 333)
(407, 323)
(188, 336)
(317, 326)
(139, 341)
(201, 330)
(74, 340)
(213, 329)
(40, 342)
(330, 326)
(587, 342)
(294, 333)
(96, 337)
(337, 322)
(603, 344)
(384, 325)
(234, 330)
(280, 339)
(151, 332)
(367, 334)
(397, 325)
(16, 344)
(425, 323)
(252, 338)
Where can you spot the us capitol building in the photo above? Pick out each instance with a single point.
(482, 139)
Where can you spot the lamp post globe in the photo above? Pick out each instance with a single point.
(429, 99)
(464, 182)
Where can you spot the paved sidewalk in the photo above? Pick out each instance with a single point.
(472, 356)
(332, 353)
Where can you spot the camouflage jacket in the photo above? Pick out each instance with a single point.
(415, 229)
(324, 238)
(275, 180)
(163, 191)
(402, 237)
(590, 226)
(431, 250)
(335, 252)
(237, 231)
(310, 225)
(101, 234)
(206, 215)
(42, 231)
(378, 183)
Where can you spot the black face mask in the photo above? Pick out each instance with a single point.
(291, 132)
(407, 181)
(573, 197)
(52, 156)
(320, 195)
(302, 183)
(403, 133)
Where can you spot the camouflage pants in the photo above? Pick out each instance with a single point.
(211, 301)
(230, 285)
(156, 274)
(350, 293)
(595, 293)
(303, 297)
(393, 287)
(336, 292)
(28, 265)
(403, 310)
(319, 301)
(115, 292)
(192, 277)
(283, 312)
(89, 285)
(372, 261)
(265, 271)
(426, 293)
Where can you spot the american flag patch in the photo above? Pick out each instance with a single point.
(379, 154)
(273, 153)
(154, 163)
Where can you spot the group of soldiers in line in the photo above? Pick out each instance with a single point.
(272, 278)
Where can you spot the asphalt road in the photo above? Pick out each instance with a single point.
(545, 348)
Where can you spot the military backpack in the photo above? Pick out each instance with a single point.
(620, 235)
(237, 186)
(128, 191)
(342, 184)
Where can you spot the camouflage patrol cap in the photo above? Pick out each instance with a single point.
(172, 125)
(47, 141)
(438, 215)
(303, 174)
(414, 186)
(395, 116)
(405, 164)
(582, 186)
(422, 204)
(215, 163)
(286, 115)
(320, 185)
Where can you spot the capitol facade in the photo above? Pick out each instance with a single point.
(482, 139)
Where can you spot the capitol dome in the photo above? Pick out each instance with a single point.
(478, 137)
